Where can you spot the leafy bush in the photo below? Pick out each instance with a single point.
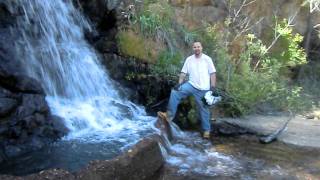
(287, 51)
(168, 64)
(255, 76)
(157, 16)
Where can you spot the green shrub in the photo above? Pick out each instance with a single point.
(255, 76)
(287, 50)
(168, 64)
(157, 16)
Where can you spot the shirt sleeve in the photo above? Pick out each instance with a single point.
(211, 67)
(185, 67)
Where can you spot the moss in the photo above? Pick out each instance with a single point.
(134, 45)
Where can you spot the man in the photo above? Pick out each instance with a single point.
(202, 77)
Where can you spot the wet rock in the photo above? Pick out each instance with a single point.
(228, 129)
(32, 103)
(12, 75)
(103, 14)
(6, 18)
(7, 105)
(52, 174)
(3, 129)
(140, 162)
(19, 83)
(164, 127)
(12, 151)
(58, 126)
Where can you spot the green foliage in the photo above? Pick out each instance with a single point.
(168, 64)
(293, 99)
(157, 16)
(255, 76)
(188, 36)
(193, 115)
(149, 24)
(291, 54)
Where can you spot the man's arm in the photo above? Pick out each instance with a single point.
(213, 80)
(182, 77)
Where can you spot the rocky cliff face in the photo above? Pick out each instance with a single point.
(26, 123)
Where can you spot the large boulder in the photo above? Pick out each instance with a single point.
(140, 162)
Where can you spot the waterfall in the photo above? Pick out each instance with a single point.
(53, 50)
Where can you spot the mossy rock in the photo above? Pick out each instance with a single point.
(135, 45)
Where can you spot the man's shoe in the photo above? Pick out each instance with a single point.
(206, 135)
(163, 115)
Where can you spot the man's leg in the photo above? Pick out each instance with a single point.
(204, 111)
(175, 98)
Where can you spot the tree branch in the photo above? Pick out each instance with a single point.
(277, 35)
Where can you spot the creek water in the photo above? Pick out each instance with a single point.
(188, 156)
(242, 157)
(102, 123)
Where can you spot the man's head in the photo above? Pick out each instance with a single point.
(197, 48)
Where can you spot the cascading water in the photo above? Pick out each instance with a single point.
(53, 50)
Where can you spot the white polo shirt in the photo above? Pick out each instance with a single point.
(199, 70)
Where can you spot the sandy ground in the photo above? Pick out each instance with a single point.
(300, 131)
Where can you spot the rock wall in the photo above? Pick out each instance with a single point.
(26, 123)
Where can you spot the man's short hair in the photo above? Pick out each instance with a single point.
(196, 42)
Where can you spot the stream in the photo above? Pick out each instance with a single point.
(187, 156)
(242, 157)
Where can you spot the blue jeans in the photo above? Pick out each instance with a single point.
(186, 90)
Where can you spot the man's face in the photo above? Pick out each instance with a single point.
(197, 48)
